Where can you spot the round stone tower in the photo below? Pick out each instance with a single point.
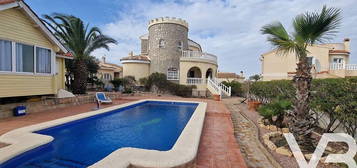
(167, 38)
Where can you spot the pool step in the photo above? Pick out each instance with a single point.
(58, 163)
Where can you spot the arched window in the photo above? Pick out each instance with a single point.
(209, 73)
(161, 43)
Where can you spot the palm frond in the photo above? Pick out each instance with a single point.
(76, 35)
(279, 38)
(313, 27)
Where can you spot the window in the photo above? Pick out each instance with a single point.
(172, 74)
(5, 55)
(43, 60)
(107, 76)
(18, 57)
(180, 45)
(24, 58)
(161, 43)
(337, 60)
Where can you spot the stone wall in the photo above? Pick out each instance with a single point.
(48, 104)
(169, 55)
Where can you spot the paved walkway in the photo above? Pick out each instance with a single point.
(218, 147)
(255, 155)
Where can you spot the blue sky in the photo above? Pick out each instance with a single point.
(226, 28)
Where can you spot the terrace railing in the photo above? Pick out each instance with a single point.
(339, 66)
(198, 54)
(195, 81)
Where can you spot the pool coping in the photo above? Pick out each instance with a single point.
(183, 152)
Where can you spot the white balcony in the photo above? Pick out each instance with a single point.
(340, 66)
(199, 55)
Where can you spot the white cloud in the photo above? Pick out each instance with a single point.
(228, 29)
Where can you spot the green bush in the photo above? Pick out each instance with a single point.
(236, 88)
(117, 82)
(283, 89)
(336, 98)
(275, 108)
(159, 81)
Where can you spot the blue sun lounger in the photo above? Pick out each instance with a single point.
(101, 98)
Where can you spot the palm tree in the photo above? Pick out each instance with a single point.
(309, 28)
(81, 41)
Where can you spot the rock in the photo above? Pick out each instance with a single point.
(261, 125)
(64, 94)
(329, 149)
(271, 145)
(274, 118)
(285, 130)
(266, 127)
(273, 128)
(283, 151)
(308, 156)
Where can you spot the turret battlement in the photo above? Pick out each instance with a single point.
(173, 20)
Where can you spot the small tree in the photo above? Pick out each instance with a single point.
(347, 111)
(326, 99)
(255, 77)
(276, 108)
(309, 28)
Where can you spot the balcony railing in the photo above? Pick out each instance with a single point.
(339, 66)
(198, 54)
(195, 81)
(351, 67)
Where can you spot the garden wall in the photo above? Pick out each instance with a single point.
(6, 110)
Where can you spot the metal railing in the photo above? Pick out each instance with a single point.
(198, 54)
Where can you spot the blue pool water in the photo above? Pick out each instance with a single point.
(148, 125)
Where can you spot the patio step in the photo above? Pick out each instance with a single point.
(58, 163)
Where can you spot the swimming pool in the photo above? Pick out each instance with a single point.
(146, 126)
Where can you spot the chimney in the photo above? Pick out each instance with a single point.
(103, 59)
(131, 53)
(346, 43)
(241, 74)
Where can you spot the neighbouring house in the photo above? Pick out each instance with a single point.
(108, 71)
(167, 49)
(229, 77)
(331, 60)
(32, 60)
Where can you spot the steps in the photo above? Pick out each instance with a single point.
(57, 163)
(218, 88)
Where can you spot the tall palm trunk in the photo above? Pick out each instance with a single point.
(80, 77)
(302, 122)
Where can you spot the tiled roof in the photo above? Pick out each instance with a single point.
(3, 2)
(136, 57)
(68, 54)
(339, 51)
(227, 75)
